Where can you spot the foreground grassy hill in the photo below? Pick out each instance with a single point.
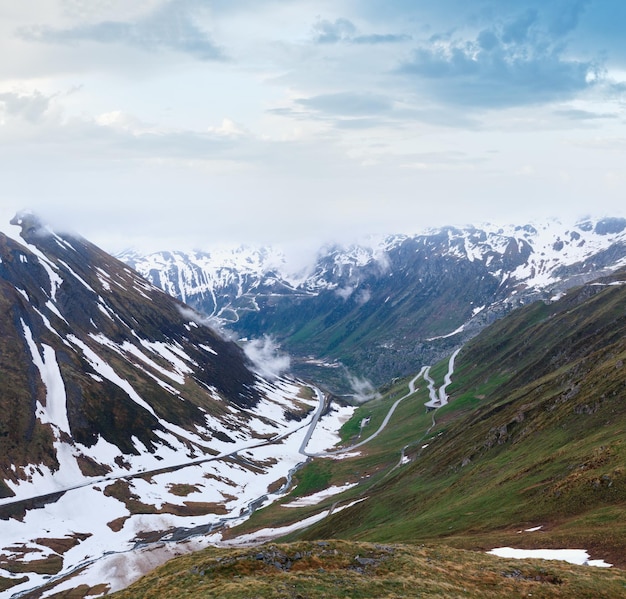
(534, 436)
(342, 569)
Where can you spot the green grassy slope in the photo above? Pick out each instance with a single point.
(535, 435)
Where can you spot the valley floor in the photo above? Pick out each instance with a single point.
(145, 518)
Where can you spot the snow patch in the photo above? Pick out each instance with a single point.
(54, 411)
(572, 556)
(316, 498)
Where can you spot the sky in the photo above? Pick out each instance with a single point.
(181, 124)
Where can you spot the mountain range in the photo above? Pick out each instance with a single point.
(372, 312)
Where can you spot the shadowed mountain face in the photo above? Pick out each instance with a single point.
(380, 311)
(98, 367)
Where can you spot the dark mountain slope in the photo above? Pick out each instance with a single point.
(92, 352)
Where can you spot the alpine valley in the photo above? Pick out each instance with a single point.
(373, 312)
(488, 365)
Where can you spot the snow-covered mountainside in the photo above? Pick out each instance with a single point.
(222, 283)
(539, 256)
(381, 309)
(124, 419)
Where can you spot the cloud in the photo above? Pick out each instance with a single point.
(206, 321)
(577, 114)
(508, 64)
(115, 134)
(31, 107)
(350, 124)
(438, 160)
(344, 31)
(344, 292)
(266, 357)
(171, 26)
(352, 110)
(327, 32)
(363, 296)
(348, 103)
(229, 128)
(377, 38)
(362, 388)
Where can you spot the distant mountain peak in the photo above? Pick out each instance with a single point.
(31, 225)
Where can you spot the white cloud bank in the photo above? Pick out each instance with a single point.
(266, 356)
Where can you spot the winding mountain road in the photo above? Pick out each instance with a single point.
(380, 428)
(438, 398)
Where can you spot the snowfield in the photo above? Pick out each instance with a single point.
(113, 544)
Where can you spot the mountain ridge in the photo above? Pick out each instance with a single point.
(372, 312)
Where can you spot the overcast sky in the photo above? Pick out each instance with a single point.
(195, 123)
